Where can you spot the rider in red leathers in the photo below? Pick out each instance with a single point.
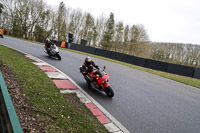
(88, 66)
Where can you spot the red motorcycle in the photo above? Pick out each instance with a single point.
(98, 80)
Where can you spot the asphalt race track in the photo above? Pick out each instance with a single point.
(143, 102)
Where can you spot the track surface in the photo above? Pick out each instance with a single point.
(143, 102)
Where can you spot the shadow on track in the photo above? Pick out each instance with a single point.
(51, 57)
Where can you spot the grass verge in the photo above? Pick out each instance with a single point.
(58, 113)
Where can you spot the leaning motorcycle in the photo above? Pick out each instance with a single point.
(53, 51)
(98, 80)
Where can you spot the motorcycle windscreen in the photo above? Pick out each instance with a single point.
(100, 73)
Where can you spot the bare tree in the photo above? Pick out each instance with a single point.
(61, 23)
(88, 25)
(118, 37)
(138, 36)
(126, 39)
(76, 23)
(108, 34)
(36, 11)
(100, 26)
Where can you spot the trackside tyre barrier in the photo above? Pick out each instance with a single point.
(9, 122)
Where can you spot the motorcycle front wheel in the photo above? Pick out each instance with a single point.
(109, 92)
(88, 83)
(58, 56)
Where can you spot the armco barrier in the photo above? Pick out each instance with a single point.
(76, 47)
(8, 119)
(54, 41)
(102, 52)
(148, 63)
(40, 40)
(87, 49)
(180, 70)
(66, 44)
(5, 32)
(58, 43)
(157, 65)
(118, 56)
(135, 60)
(196, 73)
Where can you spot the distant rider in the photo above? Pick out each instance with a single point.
(48, 44)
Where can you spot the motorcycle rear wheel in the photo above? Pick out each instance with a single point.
(109, 92)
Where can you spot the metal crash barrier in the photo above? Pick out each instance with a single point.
(9, 122)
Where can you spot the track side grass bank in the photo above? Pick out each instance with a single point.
(57, 112)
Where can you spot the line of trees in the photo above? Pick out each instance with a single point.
(185, 54)
(34, 19)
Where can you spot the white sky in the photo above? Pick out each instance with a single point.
(164, 20)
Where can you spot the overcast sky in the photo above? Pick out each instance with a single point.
(164, 20)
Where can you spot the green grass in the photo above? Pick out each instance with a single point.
(185, 80)
(58, 113)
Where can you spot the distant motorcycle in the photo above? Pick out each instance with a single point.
(98, 81)
(53, 51)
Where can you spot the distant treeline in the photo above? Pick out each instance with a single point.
(34, 19)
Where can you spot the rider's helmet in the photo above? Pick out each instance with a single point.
(88, 60)
(48, 40)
